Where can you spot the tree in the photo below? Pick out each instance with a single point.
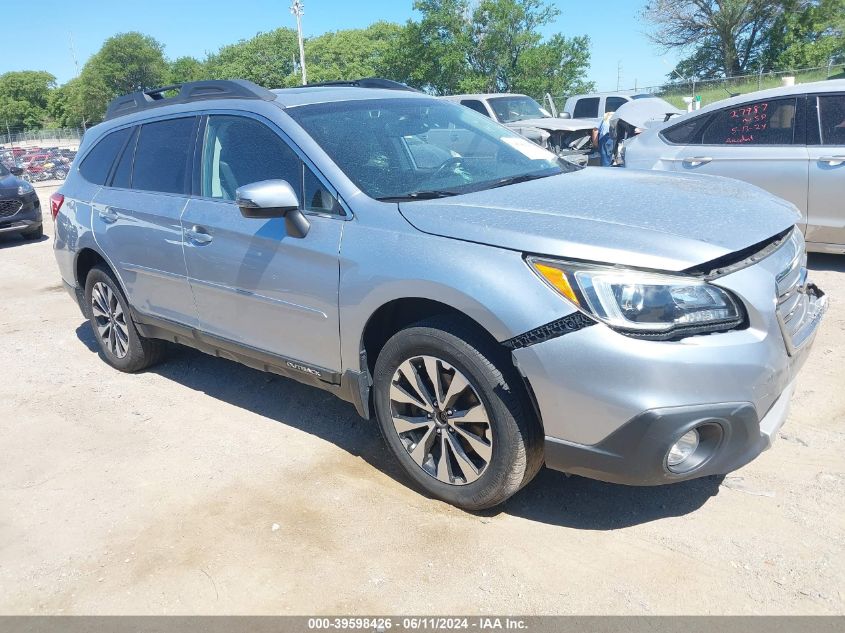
(65, 107)
(126, 63)
(730, 34)
(268, 59)
(432, 53)
(808, 33)
(557, 67)
(493, 46)
(23, 98)
(184, 69)
(352, 53)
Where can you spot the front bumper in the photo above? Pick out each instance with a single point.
(635, 454)
(612, 406)
(27, 218)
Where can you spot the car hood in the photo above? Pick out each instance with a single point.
(9, 185)
(554, 124)
(638, 218)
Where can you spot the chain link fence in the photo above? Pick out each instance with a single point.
(48, 137)
(711, 90)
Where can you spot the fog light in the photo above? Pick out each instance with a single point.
(682, 449)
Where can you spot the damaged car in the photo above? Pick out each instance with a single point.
(571, 139)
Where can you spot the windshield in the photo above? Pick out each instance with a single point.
(414, 148)
(511, 109)
(3, 170)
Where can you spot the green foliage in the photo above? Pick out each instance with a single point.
(557, 67)
(492, 46)
(268, 59)
(65, 107)
(352, 53)
(726, 38)
(24, 97)
(126, 63)
(455, 46)
(809, 33)
(184, 69)
(432, 53)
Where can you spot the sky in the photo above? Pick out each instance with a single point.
(46, 36)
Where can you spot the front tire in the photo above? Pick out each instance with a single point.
(35, 234)
(119, 342)
(454, 414)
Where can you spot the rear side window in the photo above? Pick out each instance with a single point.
(161, 157)
(770, 122)
(97, 164)
(832, 119)
(586, 108)
(475, 105)
(612, 104)
(239, 151)
(123, 171)
(686, 133)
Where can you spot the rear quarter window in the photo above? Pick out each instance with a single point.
(686, 133)
(97, 164)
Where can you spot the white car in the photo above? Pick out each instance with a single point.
(594, 105)
(571, 139)
(789, 141)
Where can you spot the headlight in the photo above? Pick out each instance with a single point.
(639, 303)
(25, 188)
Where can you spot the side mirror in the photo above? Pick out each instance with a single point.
(273, 199)
(16, 171)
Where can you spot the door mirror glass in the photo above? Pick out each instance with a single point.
(16, 171)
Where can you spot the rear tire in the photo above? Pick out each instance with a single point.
(472, 446)
(118, 340)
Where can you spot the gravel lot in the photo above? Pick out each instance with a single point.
(202, 486)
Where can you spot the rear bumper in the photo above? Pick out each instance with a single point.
(635, 454)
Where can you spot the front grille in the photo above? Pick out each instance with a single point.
(8, 208)
(799, 304)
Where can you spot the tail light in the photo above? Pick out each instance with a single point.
(56, 201)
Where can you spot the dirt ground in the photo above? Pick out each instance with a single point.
(202, 486)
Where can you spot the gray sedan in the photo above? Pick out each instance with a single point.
(789, 141)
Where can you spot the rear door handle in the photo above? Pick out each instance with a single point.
(695, 161)
(832, 160)
(108, 215)
(198, 235)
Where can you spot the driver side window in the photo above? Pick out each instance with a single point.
(239, 151)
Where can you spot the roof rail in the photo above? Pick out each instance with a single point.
(367, 82)
(187, 93)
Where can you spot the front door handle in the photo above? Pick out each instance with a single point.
(695, 161)
(198, 235)
(108, 215)
(833, 161)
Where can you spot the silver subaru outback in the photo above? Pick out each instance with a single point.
(493, 307)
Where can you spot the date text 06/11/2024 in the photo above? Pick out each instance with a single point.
(381, 624)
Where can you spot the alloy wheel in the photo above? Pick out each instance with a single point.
(441, 420)
(110, 320)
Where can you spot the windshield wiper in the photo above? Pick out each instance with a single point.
(419, 195)
(504, 182)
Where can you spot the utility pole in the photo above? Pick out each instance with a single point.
(619, 76)
(76, 63)
(298, 9)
